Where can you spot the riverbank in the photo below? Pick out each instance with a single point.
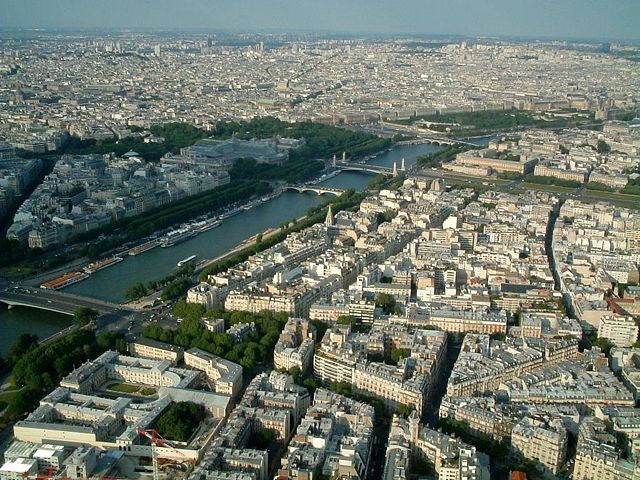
(110, 284)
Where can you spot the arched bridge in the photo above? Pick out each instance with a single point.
(363, 167)
(316, 189)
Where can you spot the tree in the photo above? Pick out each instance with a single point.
(180, 421)
(604, 344)
(398, 353)
(176, 289)
(295, 372)
(188, 311)
(311, 384)
(346, 320)
(111, 341)
(83, 316)
(135, 291)
(342, 388)
(22, 401)
(387, 302)
(262, 439)
(20, 346)
(385, 216)
(603, 147)
(404, 410)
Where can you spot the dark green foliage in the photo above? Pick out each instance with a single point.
(346, 320)
(376, 357)
(398, 353)
(262, 439)
(377, 182)
(321, 141)
(404, 411)
(177, 135)
(386, 216)
(294, 170)
(508, 156)
(342, 388)
(20, 346)
(399, 137)
(434, 160)
(564, 150)
(395, 183)
(41, 368)
(180, 421)
(540, 180)
(422, 467)
(23, 401)
(386, 302)
(626, 116)
(604, 344)
(603, 147)
(176, 288)
(156, 332)
(83, 315)
(149, 151)
(312, 384)
(112, 341)
(295, 372)
(508, 175)
(483, 122)
(256, 347)
(15, 254)
(136, 291)
(599, 187)
(632, 188)
(188, 311)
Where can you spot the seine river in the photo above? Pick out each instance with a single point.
(111, 283)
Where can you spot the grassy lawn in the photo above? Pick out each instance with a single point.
(617, 199)
(123, 388)
(148, 391)
(548, 188)
(7, 395)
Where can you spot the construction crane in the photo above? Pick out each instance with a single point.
(158, 440)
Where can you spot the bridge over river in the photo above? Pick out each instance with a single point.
(53, 301)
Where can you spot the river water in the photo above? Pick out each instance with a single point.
(111, 283)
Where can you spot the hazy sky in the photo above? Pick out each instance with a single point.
(600, 19)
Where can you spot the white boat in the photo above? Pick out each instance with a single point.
(186, 260)
(177, 236)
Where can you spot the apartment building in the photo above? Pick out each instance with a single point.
(149, 348)
(542, 442)
(620, 330)
(295, 345)
(225, 376)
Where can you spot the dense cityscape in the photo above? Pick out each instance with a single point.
(256, 256)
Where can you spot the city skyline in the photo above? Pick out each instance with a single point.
(252, 242)
(571, 19)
